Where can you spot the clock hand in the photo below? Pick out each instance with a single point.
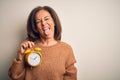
(35, 57)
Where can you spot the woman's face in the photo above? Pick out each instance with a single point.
(45, 24)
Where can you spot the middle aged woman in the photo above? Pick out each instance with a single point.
(44, 31)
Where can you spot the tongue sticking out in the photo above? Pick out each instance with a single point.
(47, 31)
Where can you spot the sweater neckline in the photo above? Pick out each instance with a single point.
(49, 46)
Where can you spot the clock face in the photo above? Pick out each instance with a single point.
(34, 59)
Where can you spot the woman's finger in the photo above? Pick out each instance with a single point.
(25, 45)
(30, 44)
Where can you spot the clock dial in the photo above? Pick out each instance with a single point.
(34, 59)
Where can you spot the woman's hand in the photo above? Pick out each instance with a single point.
(25, 45)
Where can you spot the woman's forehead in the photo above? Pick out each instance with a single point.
(42, 14)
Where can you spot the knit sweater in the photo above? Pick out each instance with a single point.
(57, 64)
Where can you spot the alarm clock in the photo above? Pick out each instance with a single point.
(33, 57)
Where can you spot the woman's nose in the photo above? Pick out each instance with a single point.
(43, 22)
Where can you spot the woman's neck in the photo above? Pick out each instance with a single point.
(48, 42)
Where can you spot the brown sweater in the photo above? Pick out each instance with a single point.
(57, 64)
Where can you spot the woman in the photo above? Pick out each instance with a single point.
(44, 31)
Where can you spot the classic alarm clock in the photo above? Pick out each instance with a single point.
(33, 57)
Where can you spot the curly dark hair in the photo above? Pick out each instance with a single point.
(33, 34)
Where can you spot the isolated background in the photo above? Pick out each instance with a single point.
(91, 27)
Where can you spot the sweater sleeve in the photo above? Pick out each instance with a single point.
(71, 71)
(17, 69)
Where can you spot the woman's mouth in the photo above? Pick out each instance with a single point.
(46, 30)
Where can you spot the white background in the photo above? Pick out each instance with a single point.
(91, 27)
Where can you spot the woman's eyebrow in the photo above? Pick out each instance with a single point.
(43, 18)
(46, 16)
(37, 19)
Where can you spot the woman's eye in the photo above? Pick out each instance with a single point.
(37, 21)
(46, 18)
